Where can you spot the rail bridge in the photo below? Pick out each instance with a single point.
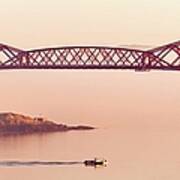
(166, 57)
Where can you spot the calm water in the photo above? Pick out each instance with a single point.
(131, 155)
(137, 116)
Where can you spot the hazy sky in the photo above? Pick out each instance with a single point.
(34, 23)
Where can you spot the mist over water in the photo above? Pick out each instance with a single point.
(137, 115)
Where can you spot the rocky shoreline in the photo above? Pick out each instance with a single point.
(11, 123)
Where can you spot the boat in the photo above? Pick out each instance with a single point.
(95, 162)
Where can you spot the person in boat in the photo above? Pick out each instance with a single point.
(95, 162)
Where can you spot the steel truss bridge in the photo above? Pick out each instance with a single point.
(165, 57)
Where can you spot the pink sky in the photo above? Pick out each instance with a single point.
(30, 24)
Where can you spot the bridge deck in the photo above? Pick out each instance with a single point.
(165, 57)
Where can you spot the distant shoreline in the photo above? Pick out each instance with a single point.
(17, 124)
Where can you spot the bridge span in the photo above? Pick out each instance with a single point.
(166, 57)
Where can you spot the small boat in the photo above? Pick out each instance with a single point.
(95, 162)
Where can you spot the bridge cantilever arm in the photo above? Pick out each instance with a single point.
(164, 46)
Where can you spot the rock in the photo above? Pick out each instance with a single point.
(11, 123)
